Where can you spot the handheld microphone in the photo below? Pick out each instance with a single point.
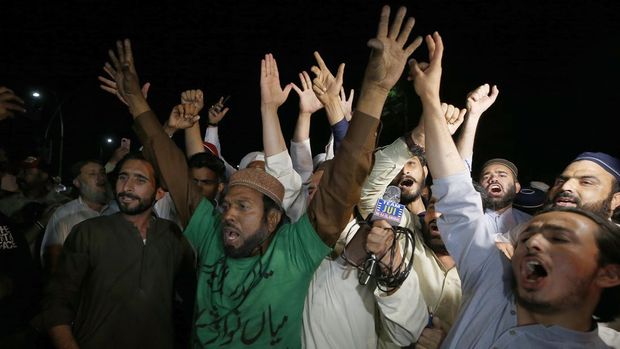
(388, 208)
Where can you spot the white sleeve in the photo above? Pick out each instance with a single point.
(329, 148)
(212, 136)
(301, 155)
(281, 167)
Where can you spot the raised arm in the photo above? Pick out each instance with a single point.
(478, 101)
(193, 139)
(441, 153)
(462, 225)
(277, 159)
(308, 105)
(301, 152)
(272, 97)
(9, 103)
(327, 88)
(340, 187)
(168, 160)
(111, 87)
(216, 113)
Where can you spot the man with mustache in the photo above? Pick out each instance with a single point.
(498, 177)
(254, 270)
(95, 200)
(117, 275)
(590, 182)
(403, 164)
(566, 268)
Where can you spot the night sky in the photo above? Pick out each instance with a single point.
(555, 62)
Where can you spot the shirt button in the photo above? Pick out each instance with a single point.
(512, 332)
(512, 312)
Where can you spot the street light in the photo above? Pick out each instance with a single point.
(106, 143)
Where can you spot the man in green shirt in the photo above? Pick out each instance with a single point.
(254, 271)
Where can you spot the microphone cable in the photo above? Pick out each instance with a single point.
(387, 276)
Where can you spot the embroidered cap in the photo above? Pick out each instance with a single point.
(606, 161)
(261, 181)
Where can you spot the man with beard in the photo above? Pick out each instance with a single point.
(498, 176)
(116, 277)
(255, 270)
(403, 164)
(499, 180)
(96, 199)
(565, 272)
(590, 182)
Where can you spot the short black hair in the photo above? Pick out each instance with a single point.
(607, 239)
(268, 205)
(210, 161)
(76, 168)
(136, 156)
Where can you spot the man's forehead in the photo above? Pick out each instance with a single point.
(413, 159)
(89, 166)
(496, 168)
(569, 221)
(136, 166)
(240, 192)
(586, 168)
(204, 171)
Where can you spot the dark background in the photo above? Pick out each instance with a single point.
(555, 63)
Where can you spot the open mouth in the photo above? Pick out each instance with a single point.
(533, 273)
(230, 235)
(495, 188)
(566, 201)
(406, 182)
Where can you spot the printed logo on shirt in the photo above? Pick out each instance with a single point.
(6, 239)
(229, 325)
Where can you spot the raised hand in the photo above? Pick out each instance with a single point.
(347, 103)
(271, 92)
(326, 87)
(427, 76)
(111, 87)
(194, 97)
(480, 99)
(10, 103)
(389, 53)
(308, 103)
(126, 77)
(183, 116)
(454, 116)
(216, 113)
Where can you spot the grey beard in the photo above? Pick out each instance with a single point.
(102, 198)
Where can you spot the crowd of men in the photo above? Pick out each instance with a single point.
(166, 248)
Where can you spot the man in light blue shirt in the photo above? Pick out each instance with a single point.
(565, 268)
